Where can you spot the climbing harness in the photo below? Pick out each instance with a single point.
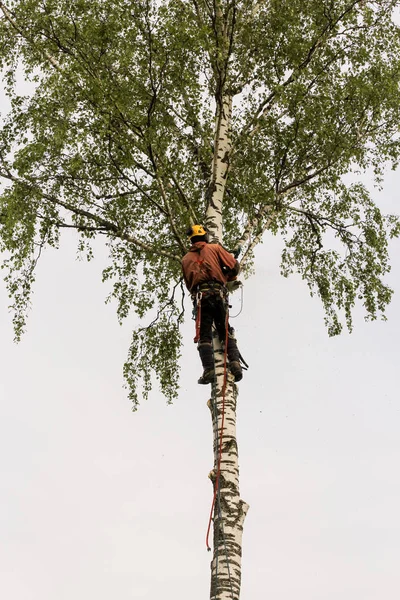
(205, 289)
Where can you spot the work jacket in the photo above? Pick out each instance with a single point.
(204, 262)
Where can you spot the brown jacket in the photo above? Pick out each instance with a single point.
(204, 263)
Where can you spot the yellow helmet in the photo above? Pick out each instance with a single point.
(196, 230)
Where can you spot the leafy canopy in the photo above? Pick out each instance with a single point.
(119, 135)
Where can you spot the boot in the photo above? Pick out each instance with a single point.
(236, 369)
(234, 358)
(207, 360)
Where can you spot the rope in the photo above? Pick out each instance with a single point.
(241, 304)
(198, 317)
(217, 491)
(220, 437)
(224, 540)
(214, 404)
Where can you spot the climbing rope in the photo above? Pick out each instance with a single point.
(214, 404)
(241, 304)
(199, 296)
(217, 491)
(216, 485)
(224, 540)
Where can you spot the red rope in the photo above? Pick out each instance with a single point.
(198, 319)
(220, 437)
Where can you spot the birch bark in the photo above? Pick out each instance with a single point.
(229, 509)
(220, 167)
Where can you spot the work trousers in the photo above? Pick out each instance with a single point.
(214, 311)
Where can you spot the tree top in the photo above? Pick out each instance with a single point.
(146, 116)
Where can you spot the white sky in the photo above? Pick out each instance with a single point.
(97, 502)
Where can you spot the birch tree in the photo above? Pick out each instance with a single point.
(245, 115)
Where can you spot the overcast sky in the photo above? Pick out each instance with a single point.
(98, 502)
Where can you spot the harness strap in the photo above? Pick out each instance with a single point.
(210, 288)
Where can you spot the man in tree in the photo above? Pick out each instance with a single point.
(243, 114)
(207, 268)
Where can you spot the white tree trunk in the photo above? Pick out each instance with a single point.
(220, 167)
(229, 510)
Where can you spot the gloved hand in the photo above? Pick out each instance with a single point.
(236, 251)
(234, 285)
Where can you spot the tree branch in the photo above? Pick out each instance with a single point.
(15, 26)
(271, 214)
(254, 124)
(185, 200)
(166, 201)
(134, 182)
(322, 220)
(170, 217)
(136, 130)
(104, 224)
(298, 182)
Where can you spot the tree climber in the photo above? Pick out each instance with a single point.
(207, 268)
